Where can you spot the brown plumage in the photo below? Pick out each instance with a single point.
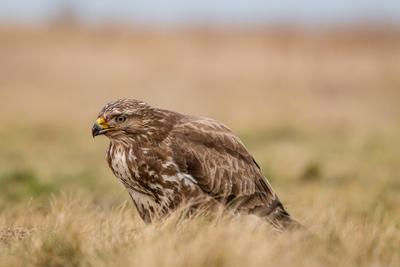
(165, 159)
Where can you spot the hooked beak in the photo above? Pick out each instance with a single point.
(100, 127)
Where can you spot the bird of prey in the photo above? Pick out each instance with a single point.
(165, 159)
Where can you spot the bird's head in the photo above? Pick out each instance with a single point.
(127, 118)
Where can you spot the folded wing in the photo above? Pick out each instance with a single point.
(224, 169)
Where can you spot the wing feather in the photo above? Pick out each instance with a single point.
(220, 163)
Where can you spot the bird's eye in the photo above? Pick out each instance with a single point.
(120, 118)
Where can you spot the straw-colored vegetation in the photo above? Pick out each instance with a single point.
(319, 111)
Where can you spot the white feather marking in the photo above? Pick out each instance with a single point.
(180, 177)
(120, 165)
(143, 200)
(184, 178)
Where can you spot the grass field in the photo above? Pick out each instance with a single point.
(319, 111)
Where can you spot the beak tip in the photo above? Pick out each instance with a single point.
(95, 130)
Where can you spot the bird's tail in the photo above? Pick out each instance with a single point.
(287, 223)
(282, 220)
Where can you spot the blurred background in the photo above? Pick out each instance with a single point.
(312, 87)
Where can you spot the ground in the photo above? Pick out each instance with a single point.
(319, 111)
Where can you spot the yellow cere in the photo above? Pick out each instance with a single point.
(100, 121)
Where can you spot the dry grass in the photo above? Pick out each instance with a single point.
(319, 112)
(73, 231)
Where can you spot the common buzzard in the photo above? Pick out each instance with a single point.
(165, 159)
